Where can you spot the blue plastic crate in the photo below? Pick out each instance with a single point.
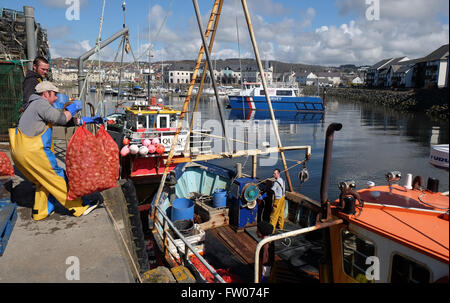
(8, 217)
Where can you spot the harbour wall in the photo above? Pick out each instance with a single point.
(434, 102)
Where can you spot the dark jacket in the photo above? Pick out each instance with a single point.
(29, 84)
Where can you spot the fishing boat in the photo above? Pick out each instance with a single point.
(108, 89)
(144, 135)
(253, 97)
(401, 232)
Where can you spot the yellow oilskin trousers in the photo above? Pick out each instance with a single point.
(277, 215)
(34, 157)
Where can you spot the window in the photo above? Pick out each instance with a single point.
(163, 121)
(142, 121)
(355, 252)
(407, 271)
(284, 93)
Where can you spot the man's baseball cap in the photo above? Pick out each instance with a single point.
(46, 86)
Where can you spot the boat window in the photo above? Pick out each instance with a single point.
(163, 121)
(142, 122)
(131, 121)
(407, 271)
(151, 121)
(284, 93)
(355, 252)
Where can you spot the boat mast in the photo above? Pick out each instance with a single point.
(266, 92)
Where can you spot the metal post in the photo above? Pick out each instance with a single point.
(261, 71)
(31, 37)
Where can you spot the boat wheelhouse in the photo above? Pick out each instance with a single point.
(145, 134)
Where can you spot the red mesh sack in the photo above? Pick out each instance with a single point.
(6, 168)
(84, 164)
(111, 167)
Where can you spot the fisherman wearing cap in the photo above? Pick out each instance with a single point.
(32, 151)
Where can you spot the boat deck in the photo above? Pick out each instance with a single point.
(295, 263)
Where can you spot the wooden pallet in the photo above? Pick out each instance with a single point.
(8, 217)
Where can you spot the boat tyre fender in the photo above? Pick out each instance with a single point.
(137, 232)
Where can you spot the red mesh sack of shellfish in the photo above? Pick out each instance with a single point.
(111, 160)
(6, 168)
(84, 164)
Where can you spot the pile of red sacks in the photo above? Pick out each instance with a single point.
(92, 162)
(226, 275)
(6, 168)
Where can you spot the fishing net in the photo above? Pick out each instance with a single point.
(84, 164)
(111, 157)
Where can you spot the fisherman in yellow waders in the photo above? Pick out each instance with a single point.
(277, 215)
(32, 152)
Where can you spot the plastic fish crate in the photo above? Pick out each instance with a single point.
(196, 240)
(8, 217)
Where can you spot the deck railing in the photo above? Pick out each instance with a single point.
(287, 235)
(165, 236)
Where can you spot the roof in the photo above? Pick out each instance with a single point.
(149, 110)
(380, 63)
(413, 218)
(439, 54)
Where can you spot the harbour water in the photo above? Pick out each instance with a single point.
(373, 141)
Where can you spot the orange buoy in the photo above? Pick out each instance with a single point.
(126, 141)
(160, 149)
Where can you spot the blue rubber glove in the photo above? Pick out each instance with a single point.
(91, 120)
(74, 108)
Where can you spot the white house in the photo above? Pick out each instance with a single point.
(252, 74)
(329, 77)
(179, 73)
(306, 78)
(357, 81)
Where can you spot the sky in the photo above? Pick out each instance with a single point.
(322, 32)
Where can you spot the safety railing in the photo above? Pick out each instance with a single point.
(287, 235)
(163, 231)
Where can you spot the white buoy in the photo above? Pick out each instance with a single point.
(408, 181)
(134, 149)
(143, 150)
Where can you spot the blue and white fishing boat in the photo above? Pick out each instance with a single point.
(252, 97)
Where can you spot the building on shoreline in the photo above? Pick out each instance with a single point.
(428, 72)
